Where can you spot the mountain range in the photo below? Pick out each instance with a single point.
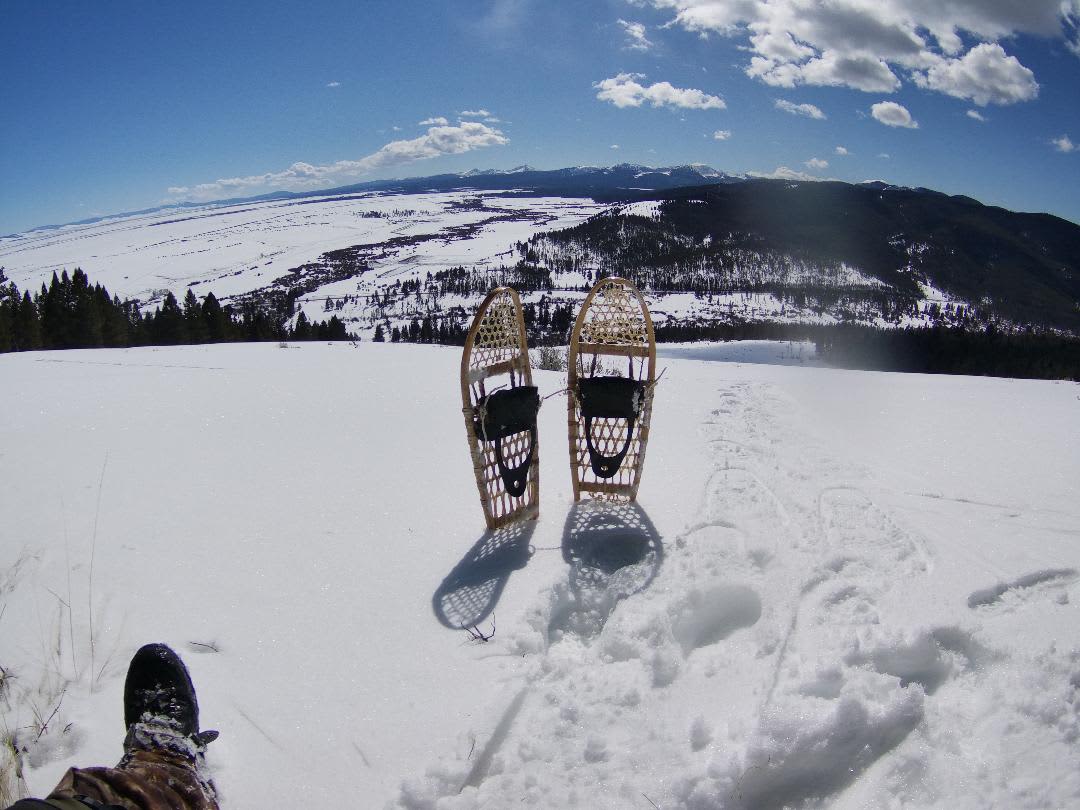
(574, 181)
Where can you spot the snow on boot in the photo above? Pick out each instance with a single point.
(160, 708)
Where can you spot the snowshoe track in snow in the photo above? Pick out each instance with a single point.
(1006, 596)
(776, 606)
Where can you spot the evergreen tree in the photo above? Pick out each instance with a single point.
(194, 324)
(303, 328)
(168, 328)
(20, 327)
(137, 327)
(334, 329)
(51, 308)
(115, 329)
(216, 322)
(9, 302)
(379, 337)
(84, 317)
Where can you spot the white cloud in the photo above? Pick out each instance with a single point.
(333, 84)
(722, 134)
(883, 155)
(870, 45)
(816, 163)
(866, 73)
(437, 142)
(985, 75)
(978, 116)
(892, 114)
(481, 113)
(635, 36)
(840, 150)
(614, 146)
(624, 91)
(808, 110)
(435, 121)
(784, 173)
(1064, 144)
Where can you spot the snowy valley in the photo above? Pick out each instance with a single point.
(733, 253)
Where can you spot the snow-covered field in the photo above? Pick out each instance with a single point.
(234, 249)
(838, 589)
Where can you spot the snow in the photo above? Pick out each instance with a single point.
(234, 249)
(838, 589)
(650, 209)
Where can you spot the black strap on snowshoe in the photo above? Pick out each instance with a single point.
(504, 413)
(609, 398)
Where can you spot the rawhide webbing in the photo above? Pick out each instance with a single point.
(504, 413)
(609, 398)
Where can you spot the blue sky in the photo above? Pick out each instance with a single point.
(116, 105)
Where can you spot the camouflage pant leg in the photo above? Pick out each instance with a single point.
(144, 780)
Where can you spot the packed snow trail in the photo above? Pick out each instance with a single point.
(838, 589)
(753, 613)
(763, 668)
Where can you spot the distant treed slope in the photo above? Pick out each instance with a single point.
(69, 313)
(1022, 268)
(615, 242)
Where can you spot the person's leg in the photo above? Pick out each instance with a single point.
(144, 780)
(162, 767)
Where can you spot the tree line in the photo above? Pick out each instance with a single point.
(937, 349)
(72, 313)
(547, 323)
(950, 350)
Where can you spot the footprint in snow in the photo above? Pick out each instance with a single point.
(1006, 596)
(854, 523)
(929, 657)
(711, 615)
(738, 499)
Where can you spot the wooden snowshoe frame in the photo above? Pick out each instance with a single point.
(496, 356)
(613, 335)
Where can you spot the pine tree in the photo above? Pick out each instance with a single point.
(51, 309)
(85, 319)
(168, 329)
(194, 324)
(216, 321)
(303, 328)
(114, 323)
(379, 337)
(9, 302)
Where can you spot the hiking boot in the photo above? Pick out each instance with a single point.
(159, 695)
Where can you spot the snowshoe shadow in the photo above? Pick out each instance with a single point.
(470, 592)
(614, 552)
